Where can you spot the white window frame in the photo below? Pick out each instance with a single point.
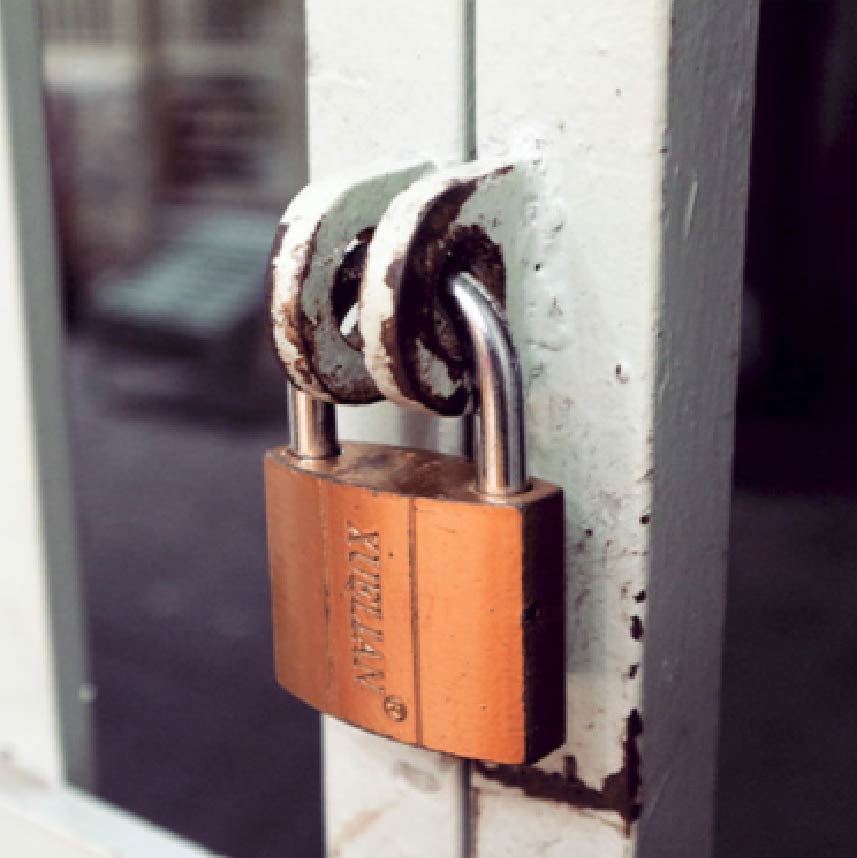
(625, 308)
(45, 739)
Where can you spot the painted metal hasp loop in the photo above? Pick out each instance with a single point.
(463, 219)
(314, 275)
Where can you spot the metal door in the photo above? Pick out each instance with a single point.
(627, 320)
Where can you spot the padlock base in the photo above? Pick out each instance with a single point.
(406, 604)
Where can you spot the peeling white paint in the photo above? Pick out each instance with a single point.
(614, 314)
(495, 206)
(623, 301)
(320, 223)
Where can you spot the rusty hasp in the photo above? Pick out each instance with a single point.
(468, 218)
(315, 270)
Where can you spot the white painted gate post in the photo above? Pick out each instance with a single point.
(627, 318)
(630, 313)
(385, 82)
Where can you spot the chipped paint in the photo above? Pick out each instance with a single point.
(625, 303)
(619, 792)
(310, 264)
(454, 220)
(585, 295)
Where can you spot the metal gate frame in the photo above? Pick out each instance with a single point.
(639, 115)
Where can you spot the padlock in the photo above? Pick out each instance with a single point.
(418, 595)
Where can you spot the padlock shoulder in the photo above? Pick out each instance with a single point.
(407, 472)
(414, 607)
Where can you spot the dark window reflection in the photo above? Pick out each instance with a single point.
(168, 124)
(788, 745)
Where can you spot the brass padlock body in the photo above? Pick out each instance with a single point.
(406, 603)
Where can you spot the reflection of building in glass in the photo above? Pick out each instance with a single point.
(162, 101)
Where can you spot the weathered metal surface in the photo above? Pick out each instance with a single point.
(465, 218)
(315, 270)
(623, 304)
(626, 311)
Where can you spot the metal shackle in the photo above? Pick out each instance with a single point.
(312, 426)
(501, 454)
(501, 467)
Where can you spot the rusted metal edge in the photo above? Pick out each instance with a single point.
(436, 228)
(620, 791)
(310, 262)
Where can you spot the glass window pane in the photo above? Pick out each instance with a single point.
(177, 137)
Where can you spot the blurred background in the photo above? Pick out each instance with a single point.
(788, 738)
(177, 134)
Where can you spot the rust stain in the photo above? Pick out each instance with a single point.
(305, 370)
(288, 319)
(299, 373)
(424, 322)
(279, 235)
(355, 827)
(346, 284)
(351, 385)
(619, 793)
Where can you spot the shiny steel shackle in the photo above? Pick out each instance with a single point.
(501, 459)
(312, 425)
(500, 449)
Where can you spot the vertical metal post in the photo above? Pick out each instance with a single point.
(368, 100)
(45, 723)
(625, 303)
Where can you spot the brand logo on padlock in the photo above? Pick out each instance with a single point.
(366, 607)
